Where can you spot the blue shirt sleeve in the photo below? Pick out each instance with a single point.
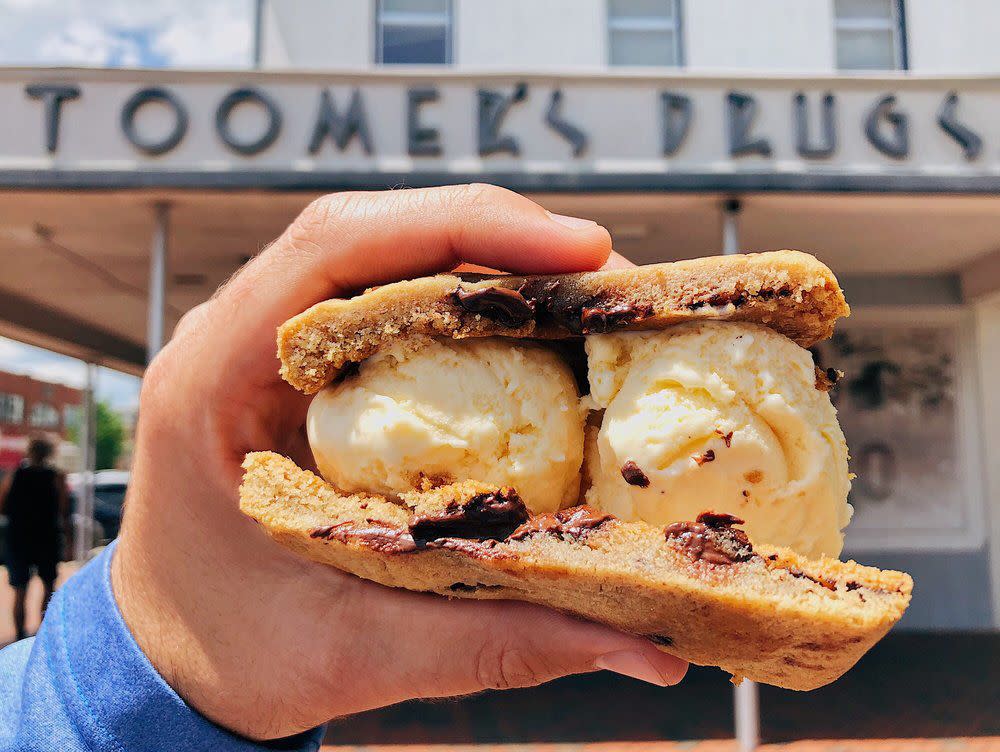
(82, 683)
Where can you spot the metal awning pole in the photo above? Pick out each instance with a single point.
(157, 281)
(746, 704)
(258, 33)
(84, 519)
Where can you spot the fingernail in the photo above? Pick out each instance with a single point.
(627, 663)
(573, 223)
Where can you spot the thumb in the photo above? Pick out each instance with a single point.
(470, 646)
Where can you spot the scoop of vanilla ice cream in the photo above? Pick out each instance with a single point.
(720, 416)
(492, 410)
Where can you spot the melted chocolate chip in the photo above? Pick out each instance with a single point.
(376, 534)
(634, 475)
(795, 572)
(827, 379)
(461, 587)
(486, 516)
(712, 538)
(660, 639)
(726, 437)
(737, 298)
(504, 306)
(539, 295)
(347, 371)
(600, 319)
(574, 522)
(708, 456)
(718, 519)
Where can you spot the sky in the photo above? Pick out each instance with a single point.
(119, 390)
(115, 33)
(126, 33)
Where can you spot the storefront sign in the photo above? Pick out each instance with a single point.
(906, 404)
(598, 132)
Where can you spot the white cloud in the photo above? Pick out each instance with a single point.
(85, 42)
(212, 35)
(177, 33)
(120, 390)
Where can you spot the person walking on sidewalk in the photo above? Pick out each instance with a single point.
(34, 498)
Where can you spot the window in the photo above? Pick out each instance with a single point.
(644, 32)
(413, 32)
(11, 408)
(72, 416)
(870, 34)
(43, 415)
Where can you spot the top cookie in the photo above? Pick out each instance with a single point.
(788, 291)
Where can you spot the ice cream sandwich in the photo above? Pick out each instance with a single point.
(687, 481)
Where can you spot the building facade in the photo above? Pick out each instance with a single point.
(28, 408)
(863, 131)
(772, 37)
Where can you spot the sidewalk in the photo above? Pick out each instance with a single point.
(984, 744)
(34, 601)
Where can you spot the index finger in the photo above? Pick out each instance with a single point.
(345, 242)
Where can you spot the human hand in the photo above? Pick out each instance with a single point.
(263, 642)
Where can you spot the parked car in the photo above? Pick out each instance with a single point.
(109, 500)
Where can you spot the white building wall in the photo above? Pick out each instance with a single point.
(764, 35)
(530, 34)
(315, 34)
(953, 37)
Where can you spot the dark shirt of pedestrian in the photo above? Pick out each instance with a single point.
(35, 501)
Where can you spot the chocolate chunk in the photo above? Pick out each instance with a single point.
(796, 572)
(708, 456)
(718, 519)
(826, 379)
(660, 639)
(461, 587)
(376, 534)
(347, 371)
(600, 319)
(634, 475)
(486, 516)
(712, 538)
(500, 304)
(539, 295)
(574, 522)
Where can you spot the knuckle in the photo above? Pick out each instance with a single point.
(314, 222)
(505, 666)
(482, 194)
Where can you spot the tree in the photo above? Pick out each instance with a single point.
(110, 436)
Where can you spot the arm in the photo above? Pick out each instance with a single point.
(198, 614)
(252, 637)
(5, 485)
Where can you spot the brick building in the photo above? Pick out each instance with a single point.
(30, 407)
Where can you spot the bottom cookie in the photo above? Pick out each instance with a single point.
(697, 589)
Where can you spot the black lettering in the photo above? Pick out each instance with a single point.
(963, 135)
(828, 127)
(52, 95)
(421, 140)
(741, 109)
(896, 144)
(555, 120)
(142, 97)
(676, 111)
(247, 96)
(341, 128)
(493, 107)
